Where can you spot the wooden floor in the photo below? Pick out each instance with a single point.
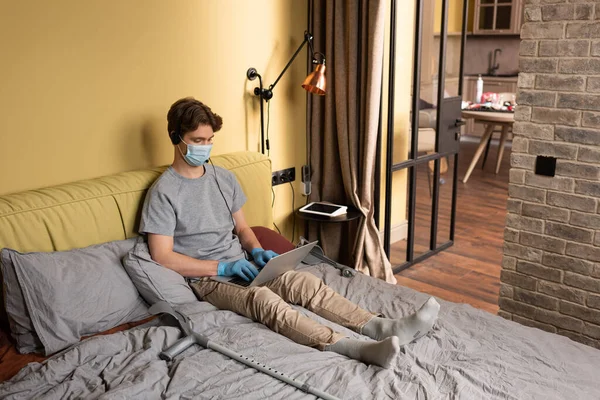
(469, 271)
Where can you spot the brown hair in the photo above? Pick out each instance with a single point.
(185, 115)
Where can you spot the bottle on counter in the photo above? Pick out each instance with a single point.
(479, 92)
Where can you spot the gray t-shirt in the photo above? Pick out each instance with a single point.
(195, 214)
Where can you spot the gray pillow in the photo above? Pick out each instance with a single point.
(153, 281)
(70, 294)
(21, 327)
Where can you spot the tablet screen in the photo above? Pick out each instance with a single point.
(324, 208)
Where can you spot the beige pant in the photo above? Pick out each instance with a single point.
(268, 304)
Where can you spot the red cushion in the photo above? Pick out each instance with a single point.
(271, 240)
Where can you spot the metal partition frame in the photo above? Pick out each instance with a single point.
(413, 161)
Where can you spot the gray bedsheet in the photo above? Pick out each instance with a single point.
(470, 354)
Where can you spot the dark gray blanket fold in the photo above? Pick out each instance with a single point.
(470, 354)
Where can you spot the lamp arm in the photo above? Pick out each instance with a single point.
(267, 94)
(307, 38)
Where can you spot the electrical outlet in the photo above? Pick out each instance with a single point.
(283, 176)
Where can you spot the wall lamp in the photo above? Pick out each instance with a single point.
(314, 83)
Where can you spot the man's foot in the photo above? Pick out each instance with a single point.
(380, 353)
(406, 329)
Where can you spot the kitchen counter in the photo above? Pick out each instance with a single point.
(484, 76)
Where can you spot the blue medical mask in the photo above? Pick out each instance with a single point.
(196, 154)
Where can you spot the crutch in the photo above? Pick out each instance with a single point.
(317, 256)
(191, 338)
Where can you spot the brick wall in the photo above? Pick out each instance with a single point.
(551, 266)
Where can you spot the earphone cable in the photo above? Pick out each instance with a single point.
(222, 195)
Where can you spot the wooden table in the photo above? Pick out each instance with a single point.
(490, 119)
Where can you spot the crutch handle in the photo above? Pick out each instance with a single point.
(177, 347)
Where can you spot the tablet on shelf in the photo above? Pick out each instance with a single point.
(325, 209)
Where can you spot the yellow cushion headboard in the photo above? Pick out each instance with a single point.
(100, 210)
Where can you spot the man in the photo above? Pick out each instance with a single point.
(195, 225)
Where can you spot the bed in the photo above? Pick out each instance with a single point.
(470, 354)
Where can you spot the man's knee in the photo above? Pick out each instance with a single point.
(266, 305)
(304, 281)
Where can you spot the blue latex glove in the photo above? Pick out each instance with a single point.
(242, 268)
(261, 257)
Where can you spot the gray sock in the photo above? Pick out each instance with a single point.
(406, 329)
(378, 353)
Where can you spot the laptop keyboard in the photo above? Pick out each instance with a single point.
(240, 282)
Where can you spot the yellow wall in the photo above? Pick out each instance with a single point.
(454, 16)
(402, 97)
(471, 17)
(85, 85)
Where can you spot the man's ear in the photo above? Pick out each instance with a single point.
(175, 139)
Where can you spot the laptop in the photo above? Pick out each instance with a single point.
(276, 266)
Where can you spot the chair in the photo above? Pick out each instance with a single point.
(427, 122)
(502, 98)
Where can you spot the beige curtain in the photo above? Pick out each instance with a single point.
(343, 127)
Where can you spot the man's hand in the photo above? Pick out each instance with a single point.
(242, 268)
(261, 257)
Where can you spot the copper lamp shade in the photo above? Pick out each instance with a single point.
(315, 82)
